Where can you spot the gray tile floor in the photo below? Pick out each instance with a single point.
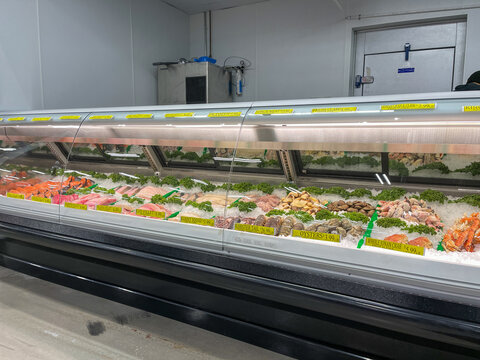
(43, 321)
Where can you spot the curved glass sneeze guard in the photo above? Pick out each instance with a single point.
(32, 162)
(309, 180)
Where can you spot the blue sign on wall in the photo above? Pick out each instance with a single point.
(406, 70)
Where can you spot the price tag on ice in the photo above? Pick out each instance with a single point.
(264, 230)
(75, 206)
(471, 108)
(335, 110)
(402, 107)
(312, 235)
(404, 248)
(150, 213)
(41, 200)
(197, 221)
(111, 209)
(274, 112)
(16, 196)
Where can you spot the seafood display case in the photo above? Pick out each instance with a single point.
(286, 224)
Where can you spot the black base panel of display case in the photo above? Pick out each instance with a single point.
(299, 321)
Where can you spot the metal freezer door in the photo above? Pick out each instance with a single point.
(426, 71)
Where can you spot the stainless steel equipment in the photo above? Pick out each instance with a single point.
(193, 83)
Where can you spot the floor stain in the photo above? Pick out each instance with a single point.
(95, 328)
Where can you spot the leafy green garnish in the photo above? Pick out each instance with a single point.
(187, 183)
(159, 199)
(266, 188)
(325, 214)
(433, 195)
(306, 159)
(391, 194)
(360, 192)
(421, 229)
(275, 212)
(473, 200)
(244, 206)
(204, 206)
(355, 216)
(170, 180)
(135, 199)
(338, 190)
(398, 166)
(434, 166)
(243, 187)
(208, 186)
(303, 216)
(473, 168)
(390, 222)
(100, 189)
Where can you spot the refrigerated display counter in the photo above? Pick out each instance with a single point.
(338, 228)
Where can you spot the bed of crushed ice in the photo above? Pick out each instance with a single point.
(447, 212)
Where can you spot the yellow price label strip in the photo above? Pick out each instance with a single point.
(335, 110)
(41, 119)
(41, 200)
(312, 235)
(1, 119)
(16, 119)
(101, 117)
(264, 230)
(471, 108)
(151, 213)
(76, 206)
(108, 208)
(404, 248)
(197, 221)
(225, 114)
(408, 106)
(70, 117)
(16, 196)
(139, 116)
(274, 112)
(177, 115)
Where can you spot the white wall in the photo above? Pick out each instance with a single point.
(303, 48)
(88, 53)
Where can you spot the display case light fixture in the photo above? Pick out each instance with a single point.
(379, 178)
(387, 179)
(122, 155)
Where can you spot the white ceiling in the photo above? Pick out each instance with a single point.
(197, 6)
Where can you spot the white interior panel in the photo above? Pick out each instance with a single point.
(86, 52)
(20, 71)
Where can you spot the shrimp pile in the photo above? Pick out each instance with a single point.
(463, 235)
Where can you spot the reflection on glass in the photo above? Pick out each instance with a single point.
(444, 166)
(108, 152)
(341, 161)
(25, 175)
